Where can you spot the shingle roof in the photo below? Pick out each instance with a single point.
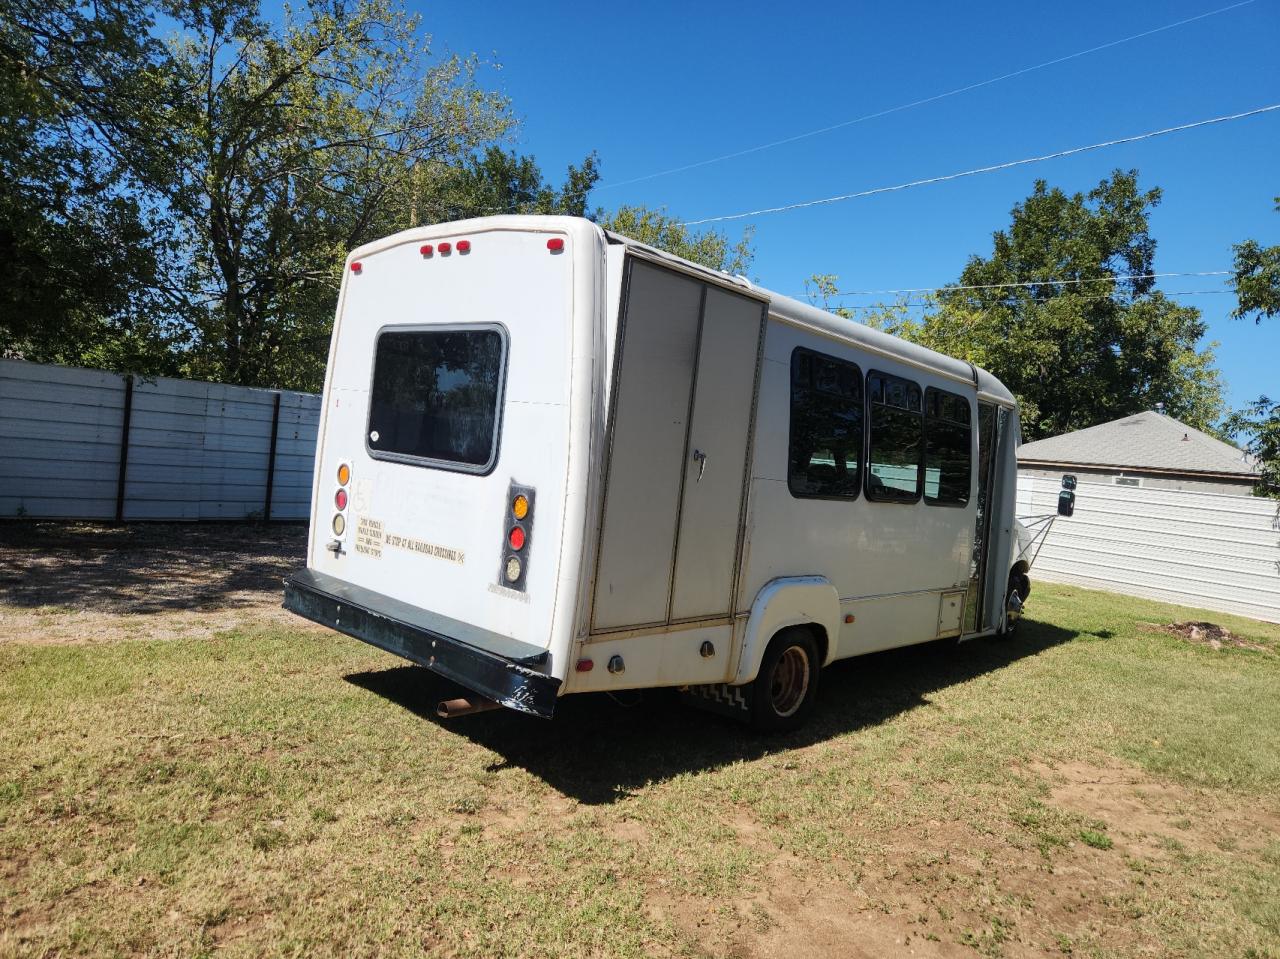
(1148, 440)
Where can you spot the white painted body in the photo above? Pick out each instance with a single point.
(792, 561)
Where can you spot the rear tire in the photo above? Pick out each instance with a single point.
(786, 687)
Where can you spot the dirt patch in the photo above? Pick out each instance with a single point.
(1206, 634)
(89, 582)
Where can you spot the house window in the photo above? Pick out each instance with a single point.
(896, 438)
(825, 454)
(948, 449)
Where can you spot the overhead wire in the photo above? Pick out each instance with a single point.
(826, 304)
(788, 207)
(1021, 283)
(921, 102)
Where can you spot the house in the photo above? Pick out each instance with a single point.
(1146, 450)
(1162, 511)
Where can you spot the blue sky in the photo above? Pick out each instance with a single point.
(654, 86)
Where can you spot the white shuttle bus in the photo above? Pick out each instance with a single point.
(553, 460)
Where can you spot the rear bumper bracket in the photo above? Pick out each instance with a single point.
(506, 675)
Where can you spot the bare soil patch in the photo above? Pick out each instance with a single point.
(1206, 634)
(92, 582)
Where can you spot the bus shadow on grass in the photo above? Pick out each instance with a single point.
(601, 748)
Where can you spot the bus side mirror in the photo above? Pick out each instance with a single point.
(1066, 503)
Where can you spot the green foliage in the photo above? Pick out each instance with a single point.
(1257, 279)
(499, 181)
(1260, 423)
(1092, 348)
(658, 228)
(75, 238)
(287, 146)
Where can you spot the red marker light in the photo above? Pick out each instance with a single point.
(340, 499)
(555, 244)
(445, 248)
(464, 246)
(584, 666)
(355, 267)
(427, 249)
(516, 538)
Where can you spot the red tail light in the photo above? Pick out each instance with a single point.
(340, 499)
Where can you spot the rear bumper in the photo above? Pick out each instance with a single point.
(503, 669)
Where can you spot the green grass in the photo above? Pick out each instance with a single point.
(272, 792)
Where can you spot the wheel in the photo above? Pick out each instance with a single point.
(784, 692)
(1015, 598)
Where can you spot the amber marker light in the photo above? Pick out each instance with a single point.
(344, 474)
(520, 506)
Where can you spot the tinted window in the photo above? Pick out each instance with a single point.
(947, 450)
(435, 396)
(826, 426)
(895, 438)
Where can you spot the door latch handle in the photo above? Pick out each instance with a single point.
(700, 458)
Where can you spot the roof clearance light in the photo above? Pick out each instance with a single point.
(516, 538)
(344, 474)
(340, 499)
(520, 506)
(426, 249)
(355, 267)
(464, 246)
(555, 244)
(445, 249)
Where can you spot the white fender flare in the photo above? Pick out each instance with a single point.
(783, 602)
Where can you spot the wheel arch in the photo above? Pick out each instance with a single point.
(805, 601)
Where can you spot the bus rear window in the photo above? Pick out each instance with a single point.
(436, 396)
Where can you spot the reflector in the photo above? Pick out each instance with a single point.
(516, 538)
(512, 571)
(340, 499)
(339, 524)
(344, 474)
(520, 507)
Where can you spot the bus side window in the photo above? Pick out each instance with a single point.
(896, 434)
(947, 448)
(825, 445)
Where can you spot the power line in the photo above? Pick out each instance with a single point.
(986, 169)
(921, 102)
(909, 303)
(1002, 286)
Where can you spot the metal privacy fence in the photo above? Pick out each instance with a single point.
(1214, 551)
(85, 444)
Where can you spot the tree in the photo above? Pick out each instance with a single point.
(1065, 313)
(497, 181)
(76, 240)
(1257, 279)
(287, 147)
(1260, 422)
(659, 229)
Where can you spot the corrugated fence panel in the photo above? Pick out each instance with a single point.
(59, 440)
(195, 450)
(1212, 550)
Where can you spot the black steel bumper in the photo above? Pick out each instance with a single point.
(498, 667)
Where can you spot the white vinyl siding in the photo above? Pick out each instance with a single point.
(1210, 550)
